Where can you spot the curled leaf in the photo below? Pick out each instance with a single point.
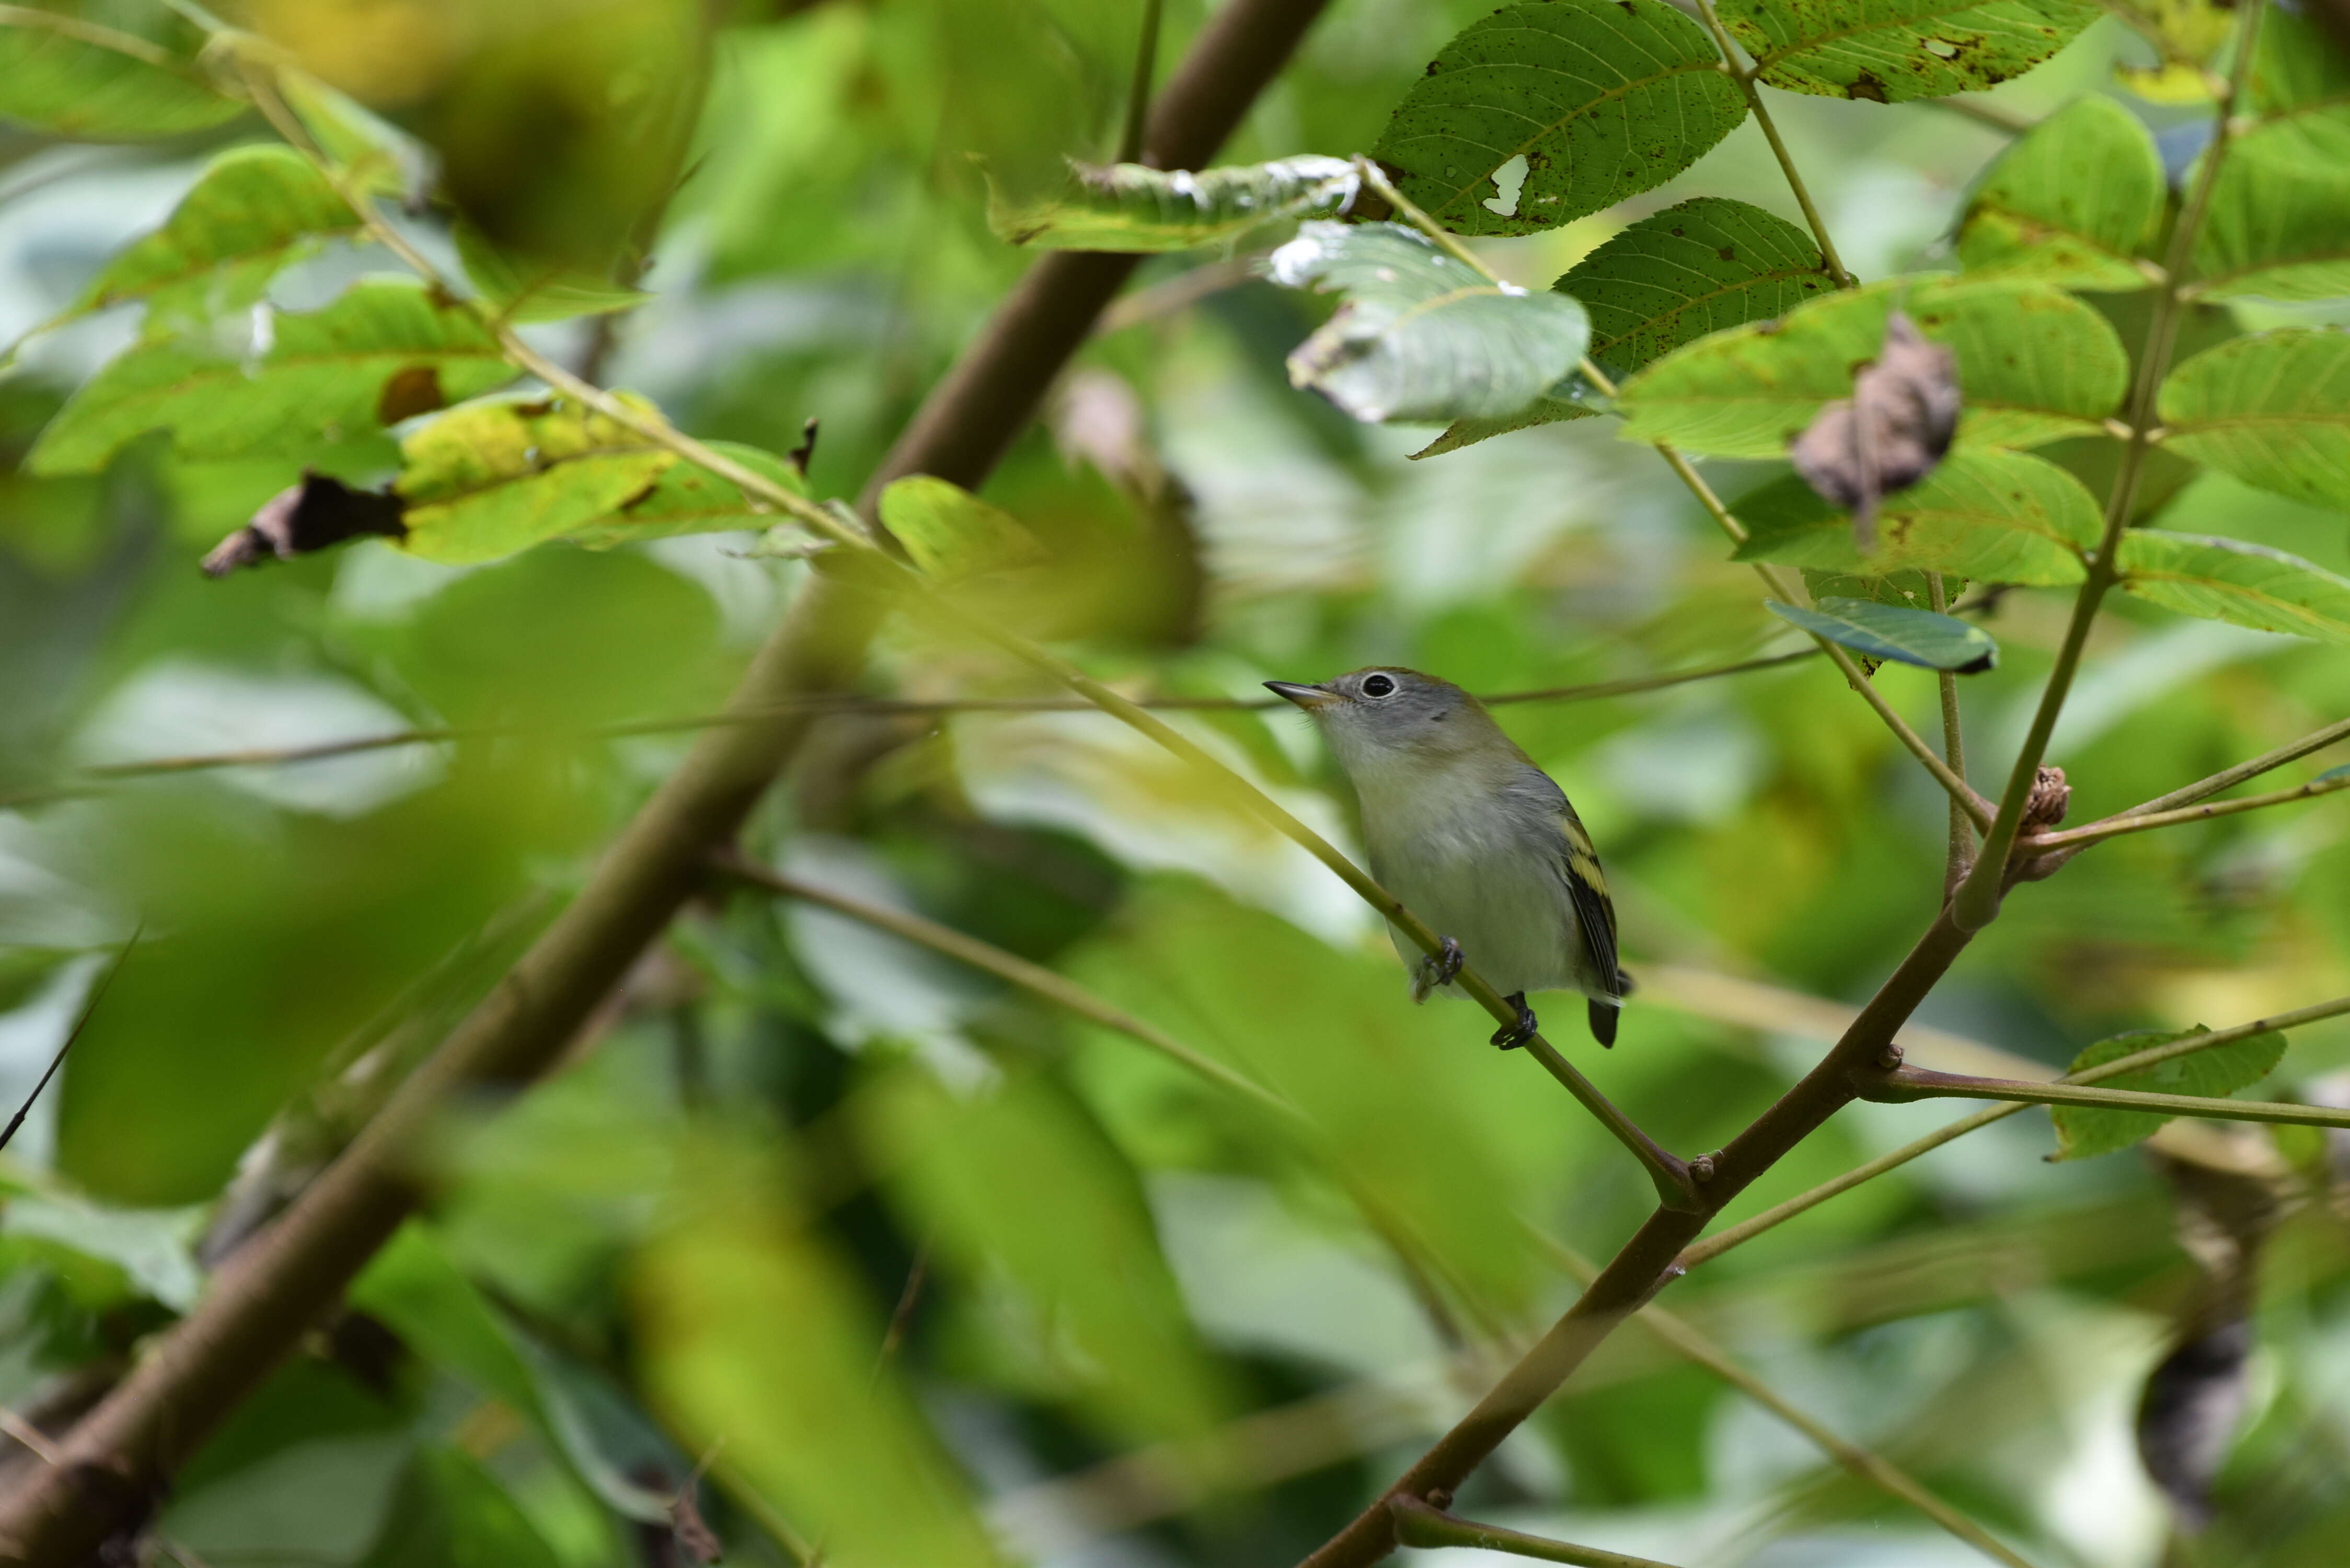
(1922, 638)
(1889, 433)
(319, 512)
(1130, 207)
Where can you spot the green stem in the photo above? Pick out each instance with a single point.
(2115, 826)
(1714, 1246)
(2227, 778)
(1962, 826)
(1745, 79)
(1978, 897)
(1138, 97)
(1418, 1525)
(1905, 1083)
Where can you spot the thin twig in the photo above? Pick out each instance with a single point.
(1904, 1085)
(2114, 827)
(1744, 77)
(1954, 752)
(275, 756)
(1146, 70)
(88, 1007)
(2227, 778)
(1419, 1524)
(2153, 1055)
(1978, 897)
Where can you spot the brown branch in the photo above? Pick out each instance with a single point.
(123, 1455)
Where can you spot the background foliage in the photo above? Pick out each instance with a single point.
(923, 1269)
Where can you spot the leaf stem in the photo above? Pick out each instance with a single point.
(1907, 1084)
(1976, 898)
(1954, 752)
(1138, 97)
(1714, 1246)
(2115, 826)
(2227, 778)
(1745, 79)
(1418, 1525)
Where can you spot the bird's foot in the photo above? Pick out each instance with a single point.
(1437, 969)
(1510, 1036)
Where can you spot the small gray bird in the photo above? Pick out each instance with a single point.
(1475, 840)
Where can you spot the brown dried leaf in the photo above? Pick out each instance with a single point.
(318, 512)
(1889, 434)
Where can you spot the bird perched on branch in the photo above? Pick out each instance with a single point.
(1474, 839)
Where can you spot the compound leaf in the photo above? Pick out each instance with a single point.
(2070, 204)
(1922, 638)
(71, 75)
(489, 479)
(2278, 226)
(1985, 513)
(1890, 51)
(2272, 409)
(2232, 580)
(1594, 99)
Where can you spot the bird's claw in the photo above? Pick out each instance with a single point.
(1437, 968)
(1510, 1036)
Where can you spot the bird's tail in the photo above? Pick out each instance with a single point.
(1606, 1010)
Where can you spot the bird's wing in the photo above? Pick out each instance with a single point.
(1587, 889)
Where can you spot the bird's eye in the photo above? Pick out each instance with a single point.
(1378, 685)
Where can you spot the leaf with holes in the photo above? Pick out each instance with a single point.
(1917, 637)
(1593, 100)
(1698, 267)
(2278, 227)
(2230, 580)
(1986, 514)
(2072, 202)
(490, 479)
(953, 534)
(2083, 1131)
(1129, 207)
(1891, 51)
(688, 499)
(1421, 336)
(384, 351)
(67, 73)
(2272, 409)
(2035, 364)
(254, 210)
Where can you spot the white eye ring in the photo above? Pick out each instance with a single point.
(1378, 685)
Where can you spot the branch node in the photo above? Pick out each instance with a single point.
(1702, 1167)
(1890, 1058)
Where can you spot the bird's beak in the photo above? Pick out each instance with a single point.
(1306, 697)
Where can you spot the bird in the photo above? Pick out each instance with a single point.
(1474, 839)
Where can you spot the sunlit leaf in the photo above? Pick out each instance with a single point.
(2035, 364)
(1916, 637)
(2232, 580)
(751, 1335)
(2085, 1130)
(2274, 409)
(2072, 202)
(521, 289)
(384, 351)
(254, 210)
(1129, 207)
(1017, 1181)
(1992, 515)
(105, 73)
(488, 479)
(1670, 279)
(369, 153)
(1593, 100)
(1890, 51)
(447, 1511)
(688, 499)
(1421, 336)
(2277, 227)
(953, 534)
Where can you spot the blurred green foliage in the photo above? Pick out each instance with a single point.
(861, 1252)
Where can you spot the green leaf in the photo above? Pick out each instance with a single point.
(1129, 207)
(1983, 513)
(2085, 1130)
(2072, 202)
(2300, 93)
(447, 1511)
(1891, 51)
(1916, 637)
(520, 289)
(1017, 1183)
(1601, 99)
(254, 210)
(2272, 409)
(124, 73)
(374, 156)
(2230, 580)
(423, 1297)
(2035, 364)
(489, 479)
(1698, 267)
(2278, 226)
(383, 352)
(1422, 336)
(687, 499)
(953, 534)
